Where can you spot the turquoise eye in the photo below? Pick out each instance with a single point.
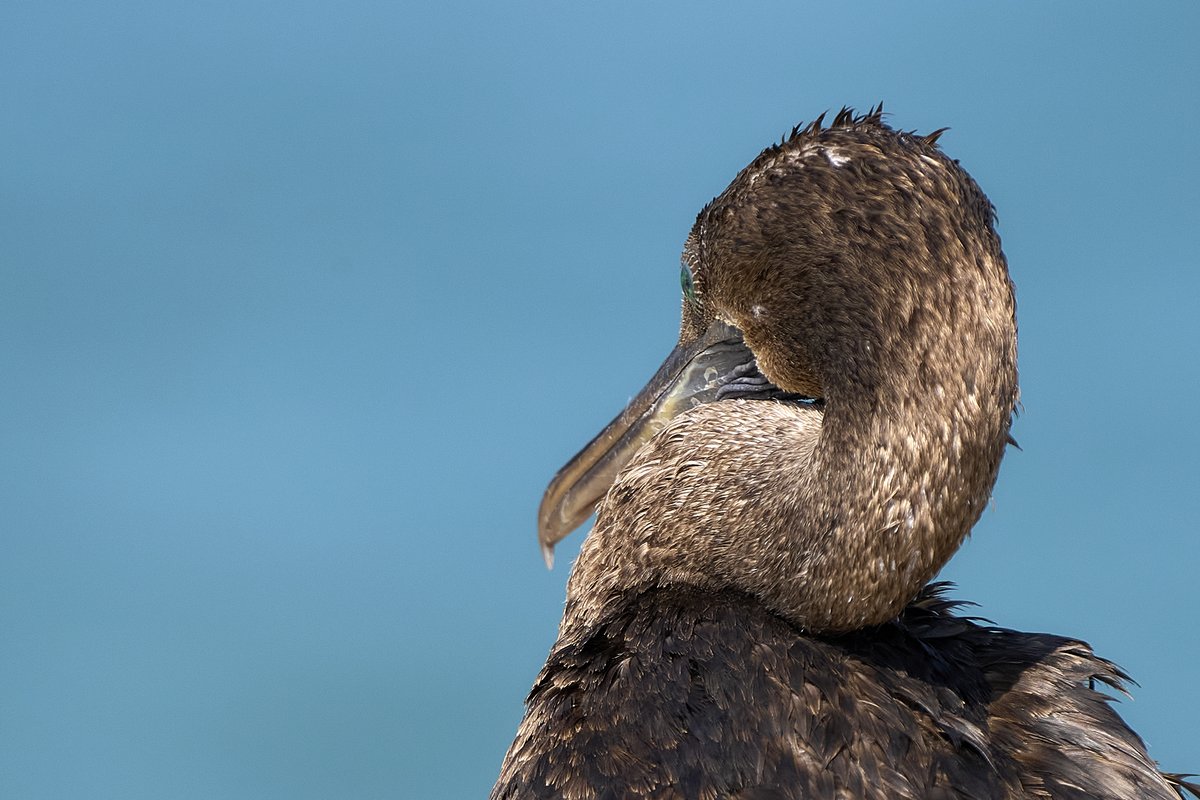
(686, 284)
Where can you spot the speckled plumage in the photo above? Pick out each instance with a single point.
(741, 621)
(861, 266)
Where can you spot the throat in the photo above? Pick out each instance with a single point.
(833, 516)
(707, 503)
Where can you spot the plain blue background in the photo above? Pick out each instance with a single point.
(302, 304)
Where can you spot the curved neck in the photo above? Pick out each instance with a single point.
(836, 519)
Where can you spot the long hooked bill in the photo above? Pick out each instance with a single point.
(693, 374)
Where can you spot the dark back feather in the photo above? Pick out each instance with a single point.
(685, 694)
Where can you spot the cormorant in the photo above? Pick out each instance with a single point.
(749, 617)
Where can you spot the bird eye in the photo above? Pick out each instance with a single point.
(687, 284)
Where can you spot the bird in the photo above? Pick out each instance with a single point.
(752, 615)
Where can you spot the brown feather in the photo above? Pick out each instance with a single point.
(747, 618)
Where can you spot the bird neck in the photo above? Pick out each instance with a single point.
(919, 377)
(894, 485)
(834, 518)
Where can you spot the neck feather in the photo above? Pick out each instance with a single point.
(835, 519)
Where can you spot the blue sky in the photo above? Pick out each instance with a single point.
(301, 306)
